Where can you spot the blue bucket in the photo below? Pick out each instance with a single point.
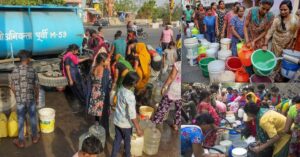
(159, 51)
(289, 69)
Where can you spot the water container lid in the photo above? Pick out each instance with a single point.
(291, 53)
(233, 132)
(239, 151)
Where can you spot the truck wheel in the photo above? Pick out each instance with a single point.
(52, 81)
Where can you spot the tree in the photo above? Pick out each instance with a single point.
(31, 2)
(125, 5)
(147, 10)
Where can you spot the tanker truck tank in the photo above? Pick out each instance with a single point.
(44, 30)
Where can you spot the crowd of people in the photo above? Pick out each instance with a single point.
(268, 116)
(127, 68)
(255, 29)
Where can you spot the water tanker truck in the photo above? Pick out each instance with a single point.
(44, 30)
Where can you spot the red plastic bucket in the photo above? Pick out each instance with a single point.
(233, 64)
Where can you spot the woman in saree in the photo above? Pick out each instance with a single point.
(270, 131)
(205, 107)
(294, 117)
(257, 24)
(283, 31)
(120, 68)
(199, 17)
(143, 67)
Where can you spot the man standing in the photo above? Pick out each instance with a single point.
(24, 84)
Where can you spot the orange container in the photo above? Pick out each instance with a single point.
(245, 55)
(241, 75)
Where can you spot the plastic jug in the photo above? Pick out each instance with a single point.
(241, 75)
(245, 55)
(152, 140)
(156, 93)
(137, 144)
(99, 132)
(145, 124)
(3, 125)
(13, 125)
(82, 138)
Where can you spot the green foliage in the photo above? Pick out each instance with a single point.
(31, 2)
(148, 10)
(125, 5)
(164, 13)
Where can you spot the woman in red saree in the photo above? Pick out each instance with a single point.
(205, 107)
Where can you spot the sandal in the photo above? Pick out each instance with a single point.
(36, 139)
(18, 144)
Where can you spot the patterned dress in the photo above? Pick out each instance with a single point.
(294, 113)
(190, 134)
(204, 107)
(97, 97)
(221, 16)
(239, 28)
(199, 16)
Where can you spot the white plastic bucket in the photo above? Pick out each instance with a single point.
(214, 45)
(227, 77)
(225, 43)
(216, 66)
(205, 44)
(224, 54)
(191, 25)
(211, 52)
(215, 69)
(226, 144)
(47, 120)
(239, 152)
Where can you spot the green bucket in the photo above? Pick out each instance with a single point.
(203, 63)
(263, 62)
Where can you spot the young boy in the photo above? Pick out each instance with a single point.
(210, 26)
(125, 115)
(91, 147)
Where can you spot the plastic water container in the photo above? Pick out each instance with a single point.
(144, 124)
(188, 33)
(289, 69)
(99, 132)
(241, 113)
(137, 144)
(214, 45)
(227, 77)
(225, 43)
(41, 98)
(260, 79)
(234, 136)
(152, 140)
(239, 152)
(224, 54)
(215, 69)
(3, 125)
(191, 45)
(211, 52)
(82, 138)
(203, 64)
(233, 64)
(263, 62)
(200, 36)
(146, 112)
(191, 25)
(205, 44)
(47, 120)
(226, 144)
